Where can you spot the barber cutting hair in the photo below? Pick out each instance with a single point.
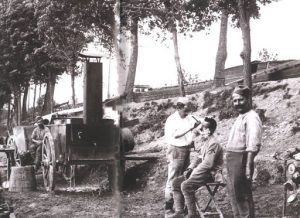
(179, 135)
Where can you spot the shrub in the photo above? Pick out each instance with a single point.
(208, 99)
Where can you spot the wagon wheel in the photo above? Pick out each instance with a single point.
(68, 172)
(48, 162)
(11, 142)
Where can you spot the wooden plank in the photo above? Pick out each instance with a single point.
(143, 156)
(129, 123)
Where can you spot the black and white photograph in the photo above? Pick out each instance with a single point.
(149, 109)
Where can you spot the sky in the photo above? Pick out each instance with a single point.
(277, 30)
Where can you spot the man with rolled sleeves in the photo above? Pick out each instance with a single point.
(243, 145)
(37, 137)
(179, 136)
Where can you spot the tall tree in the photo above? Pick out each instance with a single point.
(132, 13)
(180, 16)
(242, 11)
(219, 78)
(64, 36)
(18, 40)
(133, 58)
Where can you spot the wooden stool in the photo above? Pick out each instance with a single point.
(212, 189)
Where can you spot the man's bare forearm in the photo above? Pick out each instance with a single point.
(249, 164)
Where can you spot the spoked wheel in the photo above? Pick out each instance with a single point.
(68, 172)
(15, 160)
(48, 162)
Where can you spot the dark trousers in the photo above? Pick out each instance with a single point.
(239, 188)
(184, 189)
(36, 154)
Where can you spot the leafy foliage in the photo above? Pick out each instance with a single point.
(265, 55)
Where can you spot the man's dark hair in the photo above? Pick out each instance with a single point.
(212, 124)
(243, 91)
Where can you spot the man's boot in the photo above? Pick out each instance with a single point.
(191, 206)
(169, 208)
(178, 205)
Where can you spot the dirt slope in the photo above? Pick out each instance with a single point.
(143, 195)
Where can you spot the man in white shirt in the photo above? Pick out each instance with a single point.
(179, 135)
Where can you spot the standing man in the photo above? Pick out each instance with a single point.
(37, 137)
(206, 167)
(243, 144)
(179, 136)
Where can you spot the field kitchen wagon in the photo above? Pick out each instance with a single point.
(90, 139)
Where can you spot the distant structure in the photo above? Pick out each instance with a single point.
(261, 71)
(141, 88)
(236, 72)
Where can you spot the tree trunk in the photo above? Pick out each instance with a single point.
(73, 85)
(48, 101)
(119, 46)
(173, 30)
(34, 99)
(177, 61)
(24, 106)
(40, 90)
(244, 20)
(17, 109)
(133, 59)
(219, 78)
(8, 122)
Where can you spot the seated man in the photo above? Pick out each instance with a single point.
(202, 170)
(37, 137)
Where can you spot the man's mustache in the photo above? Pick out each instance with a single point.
(239, 107)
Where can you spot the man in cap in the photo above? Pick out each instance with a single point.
(37, 137)
(179, 136)
(243, 144)
(205, 167)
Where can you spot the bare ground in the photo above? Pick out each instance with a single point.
(143, 194)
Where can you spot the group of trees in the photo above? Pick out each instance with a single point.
(182, 16)
(40, 40)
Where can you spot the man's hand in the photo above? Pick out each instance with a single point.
(248, 173)
(197, 124)
(187, 173)
(38, 142)
(192, 145)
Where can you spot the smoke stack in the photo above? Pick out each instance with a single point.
(92, 93)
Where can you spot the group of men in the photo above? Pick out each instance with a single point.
(243, 144)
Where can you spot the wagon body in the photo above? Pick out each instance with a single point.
(88, 139)
(75, 142)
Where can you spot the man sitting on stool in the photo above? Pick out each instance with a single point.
(202, 170)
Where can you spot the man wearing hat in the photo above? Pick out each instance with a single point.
(179, 136)
(37, 137)
(243, 144)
